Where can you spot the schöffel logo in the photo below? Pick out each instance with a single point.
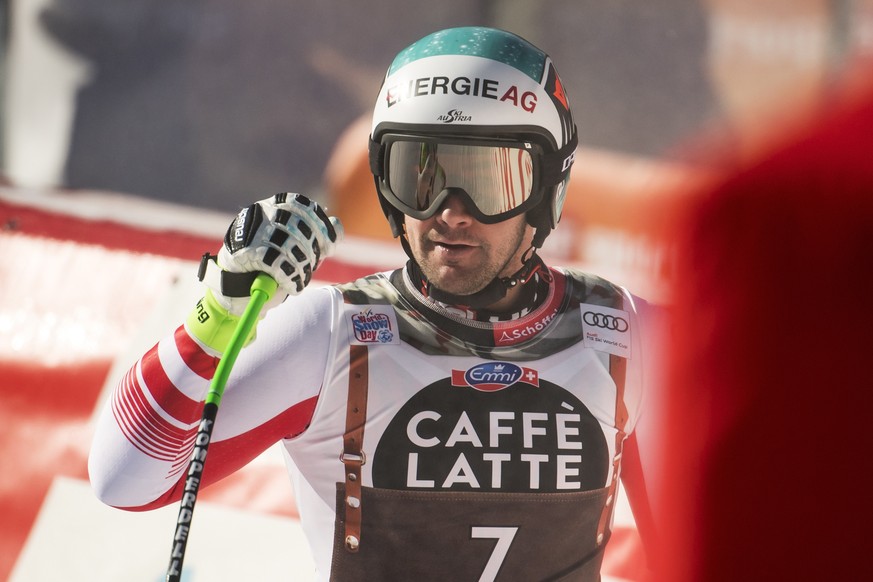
(454, 115)
(494, 376)
(605, 321)
(372, 327)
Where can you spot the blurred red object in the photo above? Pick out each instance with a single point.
(767, 470)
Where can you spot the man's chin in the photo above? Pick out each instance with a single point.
(456, 282)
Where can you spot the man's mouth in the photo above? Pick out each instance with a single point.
(452, 246)
(450, 242)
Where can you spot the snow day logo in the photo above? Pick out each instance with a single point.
(371, 326)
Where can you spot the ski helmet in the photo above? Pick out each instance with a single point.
(478, 112)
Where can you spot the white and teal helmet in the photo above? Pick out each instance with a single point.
(479, 112)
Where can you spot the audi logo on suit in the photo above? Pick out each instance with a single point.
(602, 320)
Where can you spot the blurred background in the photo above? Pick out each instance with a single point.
(214, 103)
(132, 131)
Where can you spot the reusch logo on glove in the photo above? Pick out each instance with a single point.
(243, 228)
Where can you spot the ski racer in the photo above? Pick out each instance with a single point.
(466, 416)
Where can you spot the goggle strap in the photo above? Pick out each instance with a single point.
(377, 157)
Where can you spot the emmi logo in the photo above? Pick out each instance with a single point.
(494, 376)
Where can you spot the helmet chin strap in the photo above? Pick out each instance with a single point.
(488, 295)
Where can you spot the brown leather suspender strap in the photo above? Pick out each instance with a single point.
(353, 456)
(618, 371)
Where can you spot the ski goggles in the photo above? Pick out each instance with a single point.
(497, 179)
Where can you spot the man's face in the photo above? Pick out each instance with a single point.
(460, 255)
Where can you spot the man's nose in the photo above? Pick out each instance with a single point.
(454, 211)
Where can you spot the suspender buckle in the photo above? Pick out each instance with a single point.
(359, 458)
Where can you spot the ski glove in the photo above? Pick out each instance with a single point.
(286, 236)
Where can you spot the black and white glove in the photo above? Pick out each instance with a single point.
(286, 236)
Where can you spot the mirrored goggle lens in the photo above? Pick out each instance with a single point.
(497, 179)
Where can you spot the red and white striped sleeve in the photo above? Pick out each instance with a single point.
(145, 434)
(150, 422)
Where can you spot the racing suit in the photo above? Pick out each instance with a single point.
(422, 444)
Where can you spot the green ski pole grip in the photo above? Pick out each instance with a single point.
(263, 288)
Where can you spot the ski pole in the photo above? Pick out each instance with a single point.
(262, 290)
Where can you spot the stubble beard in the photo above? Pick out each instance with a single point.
(465, 277)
